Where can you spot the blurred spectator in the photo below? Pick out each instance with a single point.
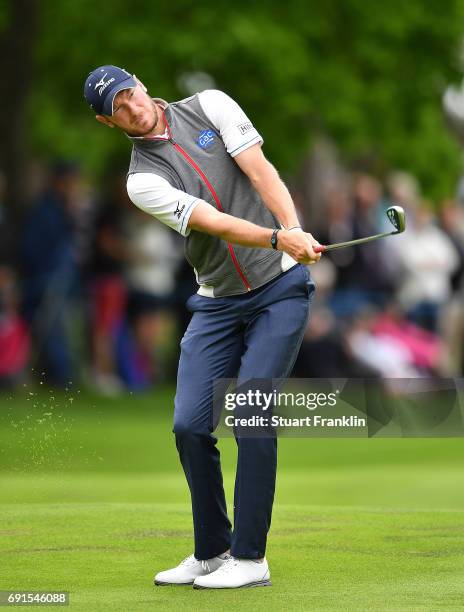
(384, 353)
(363, 274)
(452, 319)
(460, 191)
(403, 189)
(339, 224)
(325, 353)
(14, 336)
(7, 243)
(49, 262)
(424, 349)
(452, 223)
(108, 286)
(150, 273)
(426, 260)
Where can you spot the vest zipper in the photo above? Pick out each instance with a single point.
(212, 191)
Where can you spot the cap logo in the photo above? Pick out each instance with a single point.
(102, 84)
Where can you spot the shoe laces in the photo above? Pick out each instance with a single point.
(228, 565)
(190, 560)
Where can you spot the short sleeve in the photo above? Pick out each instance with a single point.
(156, 196)
(235, 128)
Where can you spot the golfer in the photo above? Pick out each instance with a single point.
(197, 166)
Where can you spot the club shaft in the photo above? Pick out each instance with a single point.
(341, 245)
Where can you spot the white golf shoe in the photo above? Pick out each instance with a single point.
(189, 569)
(235, 574)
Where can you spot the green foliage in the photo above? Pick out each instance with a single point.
(4, 15)
(370, 76)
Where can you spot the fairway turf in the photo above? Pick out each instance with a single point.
(94, 502)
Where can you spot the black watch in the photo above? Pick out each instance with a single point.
(274, 238)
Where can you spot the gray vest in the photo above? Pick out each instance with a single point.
(211, 174)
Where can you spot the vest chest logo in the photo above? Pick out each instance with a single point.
(205, 139)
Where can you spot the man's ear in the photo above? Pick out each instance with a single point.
(105, 120)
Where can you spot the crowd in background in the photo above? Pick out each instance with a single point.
(394, 307)
(93, 291)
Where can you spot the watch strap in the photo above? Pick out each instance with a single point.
(274, 238)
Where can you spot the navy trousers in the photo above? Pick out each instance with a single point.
(252, 335)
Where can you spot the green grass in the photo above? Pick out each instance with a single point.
(93, 501)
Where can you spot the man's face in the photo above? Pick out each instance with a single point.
(134, 112)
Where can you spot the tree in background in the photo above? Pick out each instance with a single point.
(18, 32)
(370, 79)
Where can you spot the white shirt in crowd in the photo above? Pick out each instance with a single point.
(427, 258)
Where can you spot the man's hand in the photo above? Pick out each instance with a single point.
(299, 245)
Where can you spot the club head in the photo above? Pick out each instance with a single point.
(397, 218)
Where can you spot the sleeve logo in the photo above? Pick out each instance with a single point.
(179, 210)
(245, 127)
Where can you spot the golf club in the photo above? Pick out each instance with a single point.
(395, 215)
